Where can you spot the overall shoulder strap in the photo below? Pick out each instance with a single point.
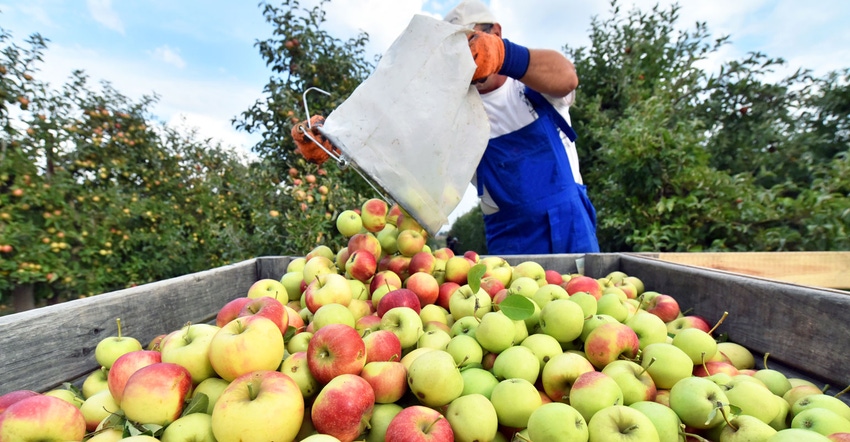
(541, 104)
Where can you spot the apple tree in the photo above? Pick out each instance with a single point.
(681, 155)
(302, 55)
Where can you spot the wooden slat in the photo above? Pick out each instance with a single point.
(42, 348)
(816, 269)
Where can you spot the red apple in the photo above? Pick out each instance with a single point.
(14, 396)
(231, 310)
(155, 394)
(664, 306)
(425, 286)
(583, 283)
(418, 423)
(268, 307)
(712, 367)
(446, 290)
(491, 285)
(387, 378)
(382, 345)
(472, 256)
(554, 277)
(373, 214)
(367, 324)
(335, 349)
(384, 278)
(42, 418)
(398, 298)
(399, 265)
(608, 342)
(365, 241)
(422, 261)
(343, 407)
(361, 265)
(125, 366)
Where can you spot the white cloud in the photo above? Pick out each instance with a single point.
(166, 54)
(102, 12)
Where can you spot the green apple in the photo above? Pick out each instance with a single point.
(261, 405)
(559, 374)
(524, 286)
(543, 346)
(549, 292)
(517, 362)
(666, 421)
(746, 428)
(800, 391)
(694, 399)
(195, 427)
(738, 355)
(348, 223)
(332, 314)
(478, 380)
(557, 422)
(465, 350)
(296, 264)
(473, 418)
(436, 338)
(797, 435)
(190, 347)
(97, 408)
(111, 348)
(212, 387)
(298, 342)
(670, 365)
(562, 319)
(382, 415)
(611, 304)
(270, 287)
(593, 391)
(95, 381)
(753, 399)
(589, 304)
(822, 401)
(297, 367)
(66, 395)
(621, 423)
(292, 283)
(495, 332)
(775, 380)
(464, 302)
(637, 385)
(514, 401)
(388, 238)
(650, 329)
(697, 344)
(405, 323)
(530, 269)
(434, 378)
(821, 420)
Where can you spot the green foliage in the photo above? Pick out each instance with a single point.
(680, 159)
(469, 230)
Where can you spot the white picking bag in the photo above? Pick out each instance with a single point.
(415, 127)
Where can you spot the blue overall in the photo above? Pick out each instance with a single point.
(542, 210)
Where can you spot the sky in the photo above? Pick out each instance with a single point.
(199, 58)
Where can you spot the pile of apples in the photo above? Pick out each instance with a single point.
(387, 340)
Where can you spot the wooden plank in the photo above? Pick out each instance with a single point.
(41, 348)
(802, 327)
(816, 269)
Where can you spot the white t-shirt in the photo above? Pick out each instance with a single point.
(509, 110)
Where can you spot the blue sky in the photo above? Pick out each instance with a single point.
(199, 56)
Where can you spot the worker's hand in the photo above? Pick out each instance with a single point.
(488, 51)
(306, 147)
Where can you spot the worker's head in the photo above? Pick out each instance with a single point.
(475, 15)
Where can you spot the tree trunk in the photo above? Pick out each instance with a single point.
(22, 298)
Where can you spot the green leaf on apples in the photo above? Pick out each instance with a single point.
(198, 404)
(77, 392)
(517, 307)
(135, 429)
(473, 277)
(290, 332)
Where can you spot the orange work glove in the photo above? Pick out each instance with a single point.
(306, 147)
(488, 51)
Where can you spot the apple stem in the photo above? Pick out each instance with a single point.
(118, 322)
(722, 318)
(521, 438)
(641, 298)
(428, 430)
(251, 392)
(845, 390)
(651, 361)
(764, 361)
(725, 417)
(704, 367)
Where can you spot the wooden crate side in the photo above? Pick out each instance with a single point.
(815, 269)
(272, 267)
(43, 348)
(802, 327)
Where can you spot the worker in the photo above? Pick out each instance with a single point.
(528, 181)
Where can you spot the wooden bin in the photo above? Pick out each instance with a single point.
(805, 329)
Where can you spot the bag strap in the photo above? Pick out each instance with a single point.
(541, 104)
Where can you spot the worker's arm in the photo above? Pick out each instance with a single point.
(550, 72)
